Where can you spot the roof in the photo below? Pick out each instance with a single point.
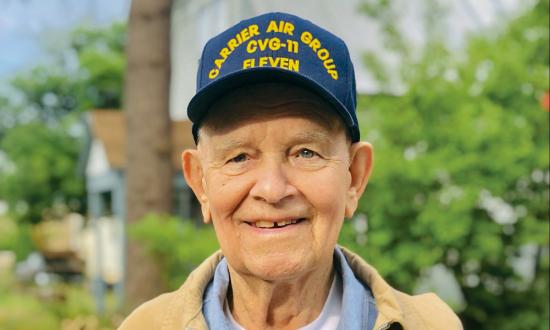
(109, 127)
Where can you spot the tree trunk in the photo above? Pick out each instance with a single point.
(148, 165)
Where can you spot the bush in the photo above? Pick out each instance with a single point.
(52, 307)
(15, 237)
(179, 245)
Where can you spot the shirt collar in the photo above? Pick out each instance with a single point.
(358, 305)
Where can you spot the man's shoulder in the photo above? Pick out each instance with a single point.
(428, 310)
(181, 307)
(424, 311)
(149, 315)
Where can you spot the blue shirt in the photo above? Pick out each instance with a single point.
(358, 305)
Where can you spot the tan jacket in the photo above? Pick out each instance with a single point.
(182, 309)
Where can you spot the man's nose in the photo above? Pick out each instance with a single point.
(272, 184)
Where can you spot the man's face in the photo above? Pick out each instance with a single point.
(275, 181)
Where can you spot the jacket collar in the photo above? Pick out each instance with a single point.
(185, 308)
(389, 309)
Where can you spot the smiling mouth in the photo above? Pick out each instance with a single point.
(275, 224)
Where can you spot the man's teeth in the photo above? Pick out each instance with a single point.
(265, 224)
(270, 224)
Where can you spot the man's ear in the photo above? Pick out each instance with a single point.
(360, 168)
(194, 176)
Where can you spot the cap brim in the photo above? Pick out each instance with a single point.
(201, 102)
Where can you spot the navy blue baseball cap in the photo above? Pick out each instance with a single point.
(276, 47)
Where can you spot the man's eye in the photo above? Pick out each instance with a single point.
(239, 159)
(306, 153)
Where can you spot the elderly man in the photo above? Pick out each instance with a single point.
(278, 167)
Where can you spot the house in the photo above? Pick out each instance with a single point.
(104, 159)
(103, 163)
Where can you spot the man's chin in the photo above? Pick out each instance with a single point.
(279, 265)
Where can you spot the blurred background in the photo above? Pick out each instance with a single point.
(96, 218)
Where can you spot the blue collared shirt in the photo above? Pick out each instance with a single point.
(358, 305)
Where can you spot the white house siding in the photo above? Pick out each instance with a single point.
(97, 161)
(108, 245)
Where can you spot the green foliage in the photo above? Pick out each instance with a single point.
(15, 237)
(71, 302)
(179, 245)
(112, 38)
(41, 135)
(6, 116)
(55, 307)
(49, 93)
(102, 61)
(44, 171)
(9, 231)
(90, 77)
(21, 312)
(461, 175)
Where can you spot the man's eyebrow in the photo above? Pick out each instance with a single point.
(312, 136)
(229, 145)
(309, 136)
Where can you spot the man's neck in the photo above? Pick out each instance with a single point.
(289, 304)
